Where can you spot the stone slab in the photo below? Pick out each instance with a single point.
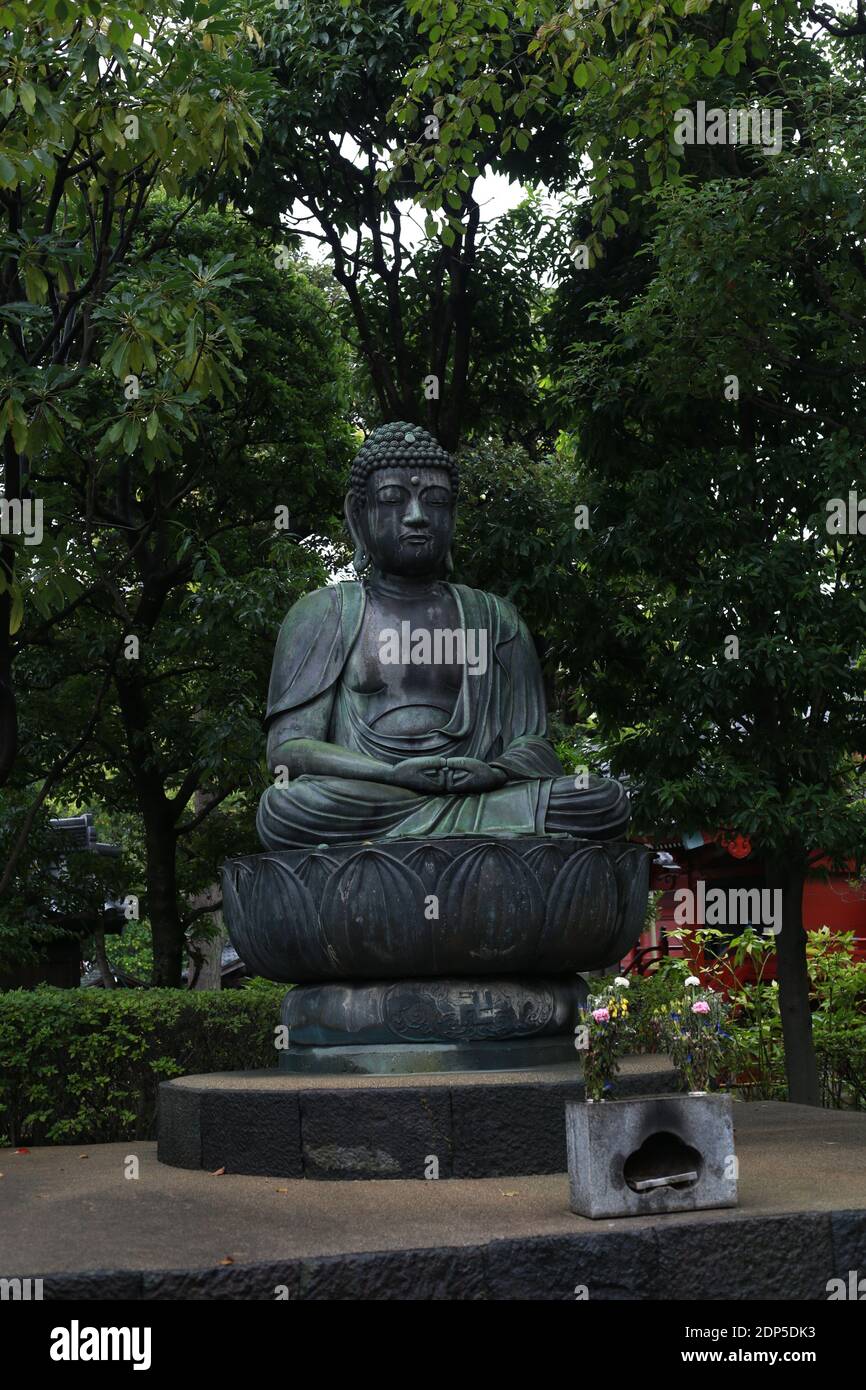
(179, 1126)
(518, 1129)
(569, 1268)
(379, 1134)
(472, 1124)
(421, 1059)
(257, 1132)
(72, 1218)
(849, 1240)
(775, 1259)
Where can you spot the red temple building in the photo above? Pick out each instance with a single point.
(719, 860)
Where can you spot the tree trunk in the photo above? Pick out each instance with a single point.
(209, 973)
(801, 1065)
(162, 904)
(8, 709)
(108, 980)
(206, 948)
(160, 829)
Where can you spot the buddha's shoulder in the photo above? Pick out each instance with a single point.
(319, 603)
(315, 610)
(480, 600)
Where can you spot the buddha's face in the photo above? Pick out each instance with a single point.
(408, 520)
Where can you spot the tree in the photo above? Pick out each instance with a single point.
(187, 564)
(506, 299)
(104, 103)
(719, 416)
(344, 153)
(614, 72)
(740, 266)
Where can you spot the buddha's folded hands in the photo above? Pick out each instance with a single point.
(426, 774)
(454, 775)
(472, 775)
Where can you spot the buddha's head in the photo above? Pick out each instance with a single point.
(401, 502)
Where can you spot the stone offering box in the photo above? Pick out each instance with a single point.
(435, 954)
(650, 1155)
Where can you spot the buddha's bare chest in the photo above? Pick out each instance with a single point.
(402, 665)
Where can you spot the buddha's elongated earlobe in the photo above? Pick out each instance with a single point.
(449, 562)
(360, 560)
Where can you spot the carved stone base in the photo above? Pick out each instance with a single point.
(424, 1011)
(453, 946)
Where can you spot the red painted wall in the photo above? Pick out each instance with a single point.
(829, 900)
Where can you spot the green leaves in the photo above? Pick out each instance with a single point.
(16, 611)
(13, 417)
(763, 740)
(95, 112)
(622, 62)
(26, 94)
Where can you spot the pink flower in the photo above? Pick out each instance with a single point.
(601, 1015)
(700, 1007)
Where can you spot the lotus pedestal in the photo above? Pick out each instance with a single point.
(422, 955)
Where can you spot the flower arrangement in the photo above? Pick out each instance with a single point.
(603, 1035)
(695, 1034)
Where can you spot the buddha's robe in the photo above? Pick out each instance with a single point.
(499, 717)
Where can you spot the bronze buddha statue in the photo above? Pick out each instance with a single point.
(432, 880)
(402, 704)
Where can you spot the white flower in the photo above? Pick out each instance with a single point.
(622, 982)
(693, 980)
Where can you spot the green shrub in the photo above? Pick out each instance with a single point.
(839, 1020)
(83, 1065)
(756, 1057)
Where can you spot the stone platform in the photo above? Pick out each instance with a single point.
(72, 1217)
(473, 1124)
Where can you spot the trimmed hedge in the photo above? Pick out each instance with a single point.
(83, 1065)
